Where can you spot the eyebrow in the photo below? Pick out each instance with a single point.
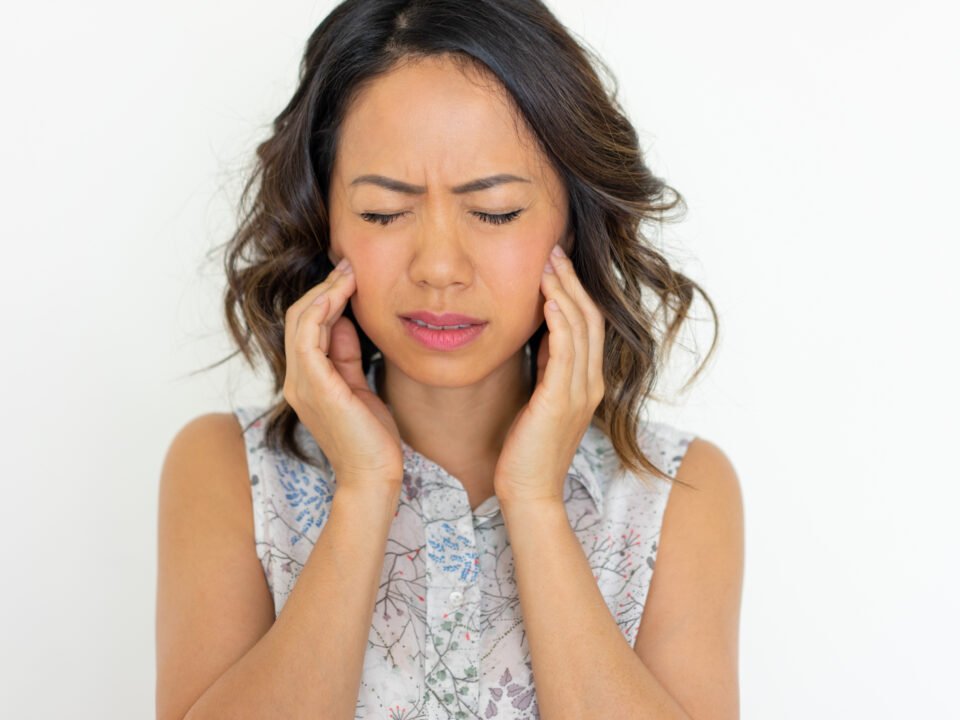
(408, 189)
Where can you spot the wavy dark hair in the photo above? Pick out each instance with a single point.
(280, 247)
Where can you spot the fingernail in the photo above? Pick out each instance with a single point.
(557, 251)
(548, 268)
(344, 265)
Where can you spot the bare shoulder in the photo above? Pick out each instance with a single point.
(689, 633)
(213, 443)
(206, 462)
(213, 602)
(706, 467)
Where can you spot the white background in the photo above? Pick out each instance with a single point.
(816, 144)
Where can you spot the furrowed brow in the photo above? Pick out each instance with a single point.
(408, 189)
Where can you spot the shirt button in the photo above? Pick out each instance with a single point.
(456, 598)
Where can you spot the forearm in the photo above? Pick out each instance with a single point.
(309, 664)
(583, 668)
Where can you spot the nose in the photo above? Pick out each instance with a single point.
(439, 257)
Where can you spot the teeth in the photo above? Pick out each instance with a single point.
(439, 327)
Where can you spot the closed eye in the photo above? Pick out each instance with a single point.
(497, 219)
(485, 217)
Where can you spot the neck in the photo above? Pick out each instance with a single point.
(460, 428)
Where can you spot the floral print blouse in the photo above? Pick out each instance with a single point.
(446, 637)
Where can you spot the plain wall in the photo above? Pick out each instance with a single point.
(816, 146)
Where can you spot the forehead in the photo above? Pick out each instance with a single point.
(434, 115)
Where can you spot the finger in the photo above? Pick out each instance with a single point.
(296, 309)
(312, 293)
(558, 374)
(302, 361)
(596, 324)
(579, 337)
(311, 345)
(316, 322)
(310, 337)
(337, 290)
(313, 328)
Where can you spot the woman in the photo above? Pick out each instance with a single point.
(443, 266)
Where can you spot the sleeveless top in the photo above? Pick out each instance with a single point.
(447, 638)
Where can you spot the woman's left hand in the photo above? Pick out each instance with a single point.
(545, 434)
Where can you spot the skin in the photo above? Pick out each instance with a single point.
(430, 123)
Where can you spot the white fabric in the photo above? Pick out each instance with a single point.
(446, 637)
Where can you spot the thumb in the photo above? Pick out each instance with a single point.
(345, 353)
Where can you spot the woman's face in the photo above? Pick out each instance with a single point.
(429, 126)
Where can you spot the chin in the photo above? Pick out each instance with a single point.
(444, 370)
(450, 370)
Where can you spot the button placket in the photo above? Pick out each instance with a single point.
(451, 655)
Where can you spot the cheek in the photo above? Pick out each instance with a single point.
(368, 314)
(517, 291)
(527, 268)
(372, 302)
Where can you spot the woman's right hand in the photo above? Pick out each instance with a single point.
(326, 387)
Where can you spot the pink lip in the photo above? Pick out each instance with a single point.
(445, 319)
(442, 339)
